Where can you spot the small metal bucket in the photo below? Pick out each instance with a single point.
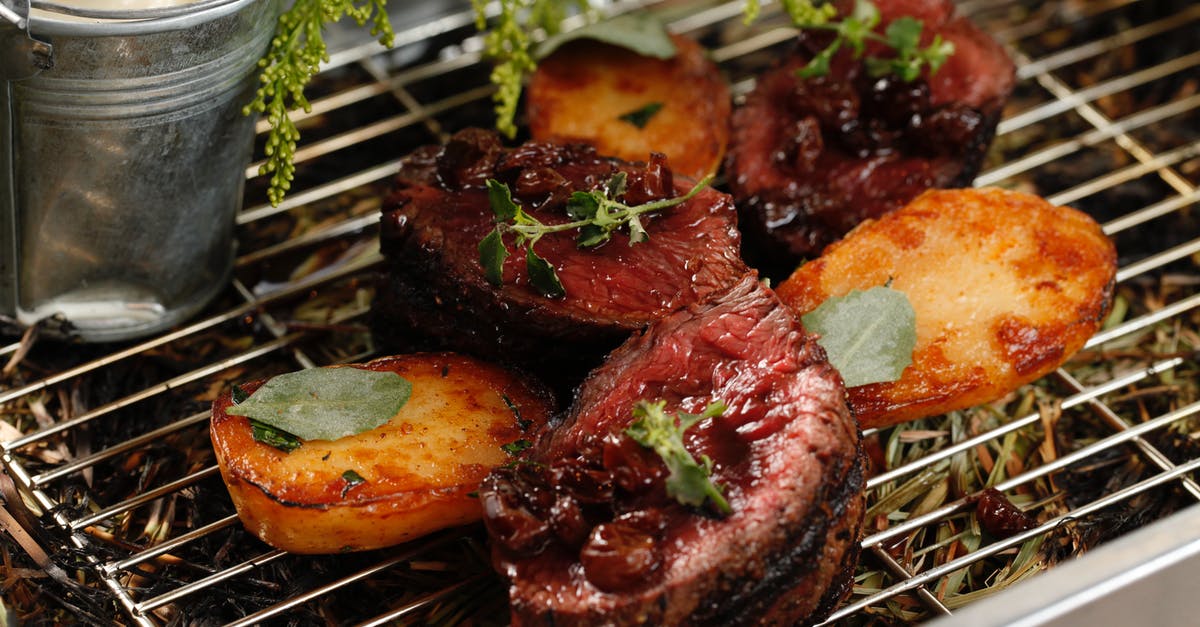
(123, 161)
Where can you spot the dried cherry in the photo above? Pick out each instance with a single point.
(624, 553)
(655, 183)
(585, 483)
(999, 517)
(634, 469)
(517, 503)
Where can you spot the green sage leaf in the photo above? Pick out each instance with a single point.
(326, 403)
(640, 32)
(492, 254)
(868, 335)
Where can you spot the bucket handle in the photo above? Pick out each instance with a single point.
(22, 57)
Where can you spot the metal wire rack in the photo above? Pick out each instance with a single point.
(108, 444)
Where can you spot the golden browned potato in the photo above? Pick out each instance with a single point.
(582, 90)
(1005, 287)
(418, 470)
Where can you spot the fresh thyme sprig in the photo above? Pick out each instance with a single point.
(903, 35)
(690, 482)
(296, 53)
(595, 214)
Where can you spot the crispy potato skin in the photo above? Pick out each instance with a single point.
(420, 467)
(580, 91)
(1005, 287)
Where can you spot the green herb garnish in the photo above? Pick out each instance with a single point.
(595, 214)
(903, 35)
(522, 423)
(237, 394)
(525, 463)
(508, 44)
(296, 53)
(868, 335)
(515, 447)
(689, 481)
(352, 479)
(641, 33)
(271, 436)
(262, 432)
(325, 403)
(641, 117)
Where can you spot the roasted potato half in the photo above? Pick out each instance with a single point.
(1005, 287)
(418, 470)
(582, 90)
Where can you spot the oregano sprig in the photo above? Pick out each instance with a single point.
(690, 481)
(295, 56)
(596, 214)
(903, 36)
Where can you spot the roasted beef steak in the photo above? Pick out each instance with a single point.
(811, 158)
(583, 527)
(435, 295)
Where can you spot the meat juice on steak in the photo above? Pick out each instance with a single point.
(435, 294)
(583, 527)
(811, 158)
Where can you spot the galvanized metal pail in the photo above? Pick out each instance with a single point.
(123, 161)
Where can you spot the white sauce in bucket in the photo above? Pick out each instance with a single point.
(122, 5)
(50, 13)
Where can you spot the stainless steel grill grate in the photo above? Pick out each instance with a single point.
(109, 444)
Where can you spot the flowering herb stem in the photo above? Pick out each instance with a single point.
(508, 43)
(295, 56)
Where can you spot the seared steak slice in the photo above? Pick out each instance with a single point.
(812, 158)
(435, 294)
(584, 528)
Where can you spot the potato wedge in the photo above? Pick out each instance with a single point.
(420, 468)
(1005, 287)
(580, 92)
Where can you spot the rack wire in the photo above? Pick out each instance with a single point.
(108, 444)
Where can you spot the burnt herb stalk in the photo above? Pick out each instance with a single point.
(594, 214)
